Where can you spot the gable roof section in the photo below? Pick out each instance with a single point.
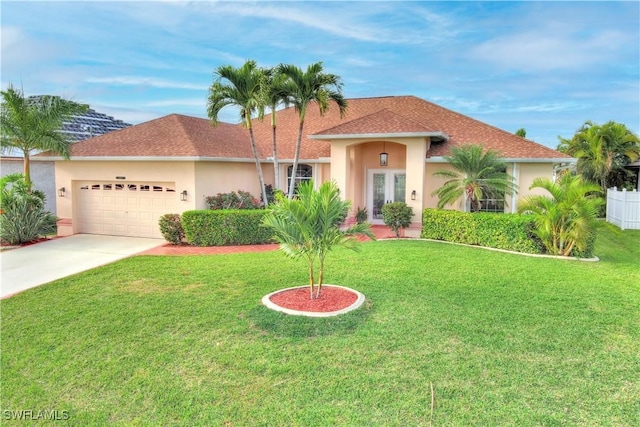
(380, 123)
(172, 136)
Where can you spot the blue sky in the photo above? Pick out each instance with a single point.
(544, 66)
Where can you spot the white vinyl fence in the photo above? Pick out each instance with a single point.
(623, 208)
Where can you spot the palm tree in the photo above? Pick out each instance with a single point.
(275, 94)
(242, 87)
(305, 88)
(602, 151)
(476, 176)
(309, 226)
(568, 218)
(30, 124)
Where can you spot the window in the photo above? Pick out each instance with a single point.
(492, 205)
(304, 173)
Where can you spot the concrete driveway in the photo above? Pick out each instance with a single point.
(31, 266)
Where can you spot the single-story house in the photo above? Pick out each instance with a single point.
(121, 183)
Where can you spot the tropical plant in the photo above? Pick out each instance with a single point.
(309, 226)
(243, 87)
(397, 215)
(30, 124)
(567, 219)
(477, 176)
(23, 218)
(361, 215)
(603, 151)
(304, 88)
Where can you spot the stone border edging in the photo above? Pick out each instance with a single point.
(567, 258)
(267, 302)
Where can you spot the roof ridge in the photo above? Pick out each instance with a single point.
(186, 130)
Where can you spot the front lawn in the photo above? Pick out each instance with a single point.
(502, 339)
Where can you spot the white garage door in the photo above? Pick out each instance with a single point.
(124, 208)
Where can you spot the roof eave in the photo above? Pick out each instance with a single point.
(381, 135)
(179, 159)
(441, 159)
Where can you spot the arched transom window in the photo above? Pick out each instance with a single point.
(303, 173)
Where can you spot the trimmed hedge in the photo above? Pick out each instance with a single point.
(512, 232)
(225, 227)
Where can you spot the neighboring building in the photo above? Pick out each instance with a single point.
(122, 182)
(80, 127)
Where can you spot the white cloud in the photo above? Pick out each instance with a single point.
(549, 48)
(145, 81)
(182, 102)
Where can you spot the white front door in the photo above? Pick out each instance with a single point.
(384, 186)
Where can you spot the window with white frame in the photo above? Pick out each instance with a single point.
(492, 205)
(303, 173)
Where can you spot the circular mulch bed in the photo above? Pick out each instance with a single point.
(333, 300)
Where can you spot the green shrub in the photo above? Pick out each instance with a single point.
(233, 200)
(397, 215)
(22, 215)
(501, 231)
(361, 215)
(272, 194)
(171, 228)
(225, 227)
(23, 222)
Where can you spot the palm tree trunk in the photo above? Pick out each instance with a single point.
(276, 169)
(258, 166)
(27, 169)
(311, 278)
(320, 277)
(294, 172)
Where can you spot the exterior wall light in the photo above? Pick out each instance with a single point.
(61, 191)
(384, 156)
(413, 195)
(183, 196)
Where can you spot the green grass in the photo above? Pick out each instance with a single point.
(503, 339)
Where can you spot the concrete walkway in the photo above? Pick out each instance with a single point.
(30, 266)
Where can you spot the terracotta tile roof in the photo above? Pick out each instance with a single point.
(182, 136)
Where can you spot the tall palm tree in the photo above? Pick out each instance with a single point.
(477, 175)
(568, 218)
(602, 151)
(244, 88)
(309, 226)
(305, 88)
(275, 95)
(30, 124)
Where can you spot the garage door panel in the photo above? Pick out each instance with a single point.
(126, 209)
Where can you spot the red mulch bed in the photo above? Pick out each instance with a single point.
(33, 242)
(331, 299)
